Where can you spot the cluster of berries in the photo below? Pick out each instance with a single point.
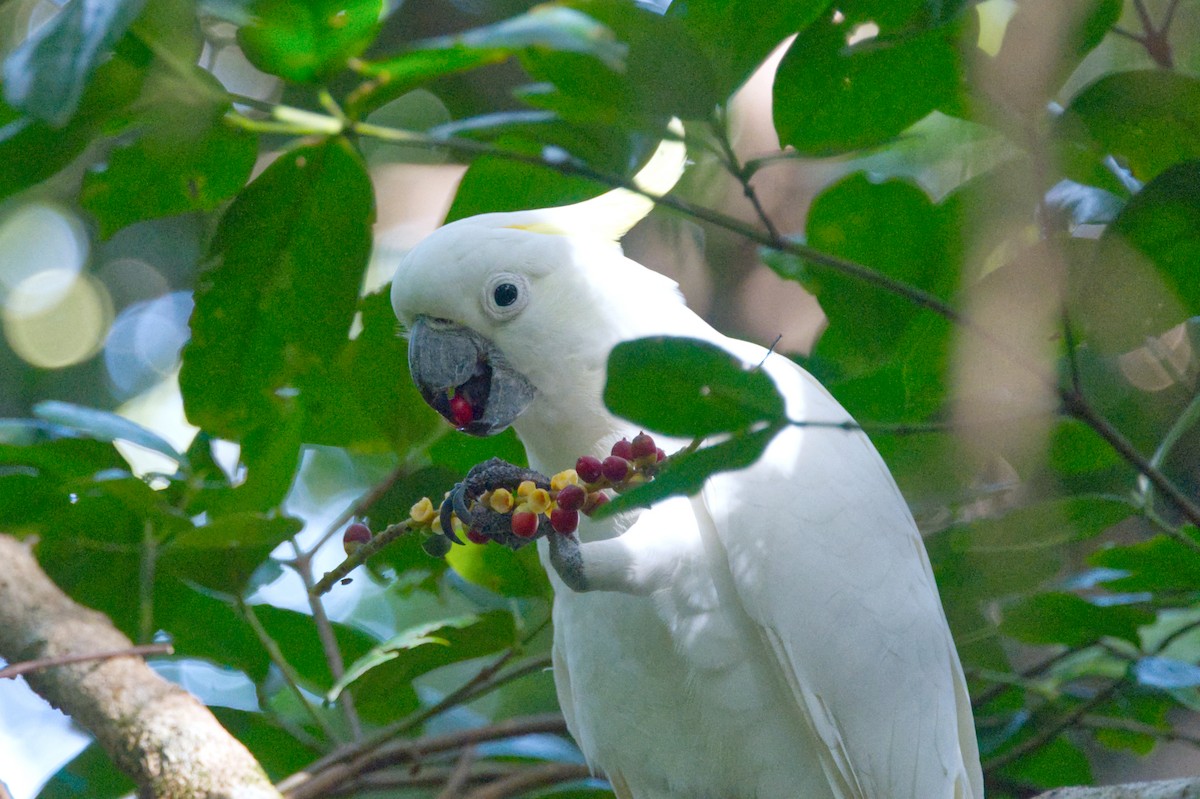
(570, 493)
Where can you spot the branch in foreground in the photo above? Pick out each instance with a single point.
(155, 732)
(1166, 789)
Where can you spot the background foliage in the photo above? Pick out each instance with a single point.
(1006, 247)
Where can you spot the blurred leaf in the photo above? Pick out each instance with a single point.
(1083, 25)
(386, 691)
(1140, 280)
(281, 297)
(305, 41)
(365, 400)
(47, 74)
(1162, 564)
(1148, 120)
(223, 554)
(63, 458)
(1076, 448)
(460, 452)
(687, 473)
(88, 775)
(895, 347)
(500, 570)
(734, 48)
(495, 183)
(688, 388)
(543, 28)
(33, 150)
(191, 616)
(296, 634)
(277, 750)
(1057, 618)
(831, 97)
(663, 73)
(192, 170)
(105, 426)
(420, 635)
(1166, 673)
(1054, 765)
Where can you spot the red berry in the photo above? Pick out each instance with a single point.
(588, 469)
(564, 521)
(615, 468)
(659, 455)
(594, 501)
(623, 449)
(524, 524)
(476, 536)
(461, 410)
(355, 536)
(571, 497)
(643, 446)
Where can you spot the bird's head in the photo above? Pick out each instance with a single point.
(512, 315)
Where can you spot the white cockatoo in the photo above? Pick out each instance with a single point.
(776, 636)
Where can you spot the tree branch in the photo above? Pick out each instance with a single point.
(1166, 789)
(155, 732)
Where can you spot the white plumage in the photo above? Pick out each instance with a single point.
(778, 635)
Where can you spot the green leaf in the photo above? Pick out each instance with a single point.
(1142, 278)
(1055, 764)
(495, 183)
(365, 400)
(549, 28)
(47, 74)
(893, 228)
(296, 634)
(664, 73)
(385, 691)
(1148, 120)
(33, 150)
(419, 635)
(223, 554)
(63, 458)
(305, 41)
(831, 97)
(687, 473)
(1058, 618)
(688, 388)
(194, 170)
(290, 254)
(89, 775)
(105, 426)
(734, 48)
(500, 570)
(279, 752)
(1162, 564)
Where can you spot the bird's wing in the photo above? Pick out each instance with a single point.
(823, 554)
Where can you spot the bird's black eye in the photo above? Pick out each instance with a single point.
(505, 294)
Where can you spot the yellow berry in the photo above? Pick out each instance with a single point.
(501, 500)
(526, 488)
(538, 501)
(567, 477)
(423, 513)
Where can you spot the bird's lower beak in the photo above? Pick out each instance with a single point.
(464, 377)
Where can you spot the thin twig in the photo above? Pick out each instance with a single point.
(744, 174)
(530, 778)
(459, 775)
(333, 653)
(359, 557)
(359, 506)
(24, 667)
(1049, 732)
(290, 676)
(1140, 728)
(313, 783)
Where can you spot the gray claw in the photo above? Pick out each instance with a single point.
(444, 519)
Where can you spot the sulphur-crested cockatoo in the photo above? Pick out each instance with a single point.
(776, 636)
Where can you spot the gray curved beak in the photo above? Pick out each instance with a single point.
(447, 360)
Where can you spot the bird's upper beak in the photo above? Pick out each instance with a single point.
(448, 361)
